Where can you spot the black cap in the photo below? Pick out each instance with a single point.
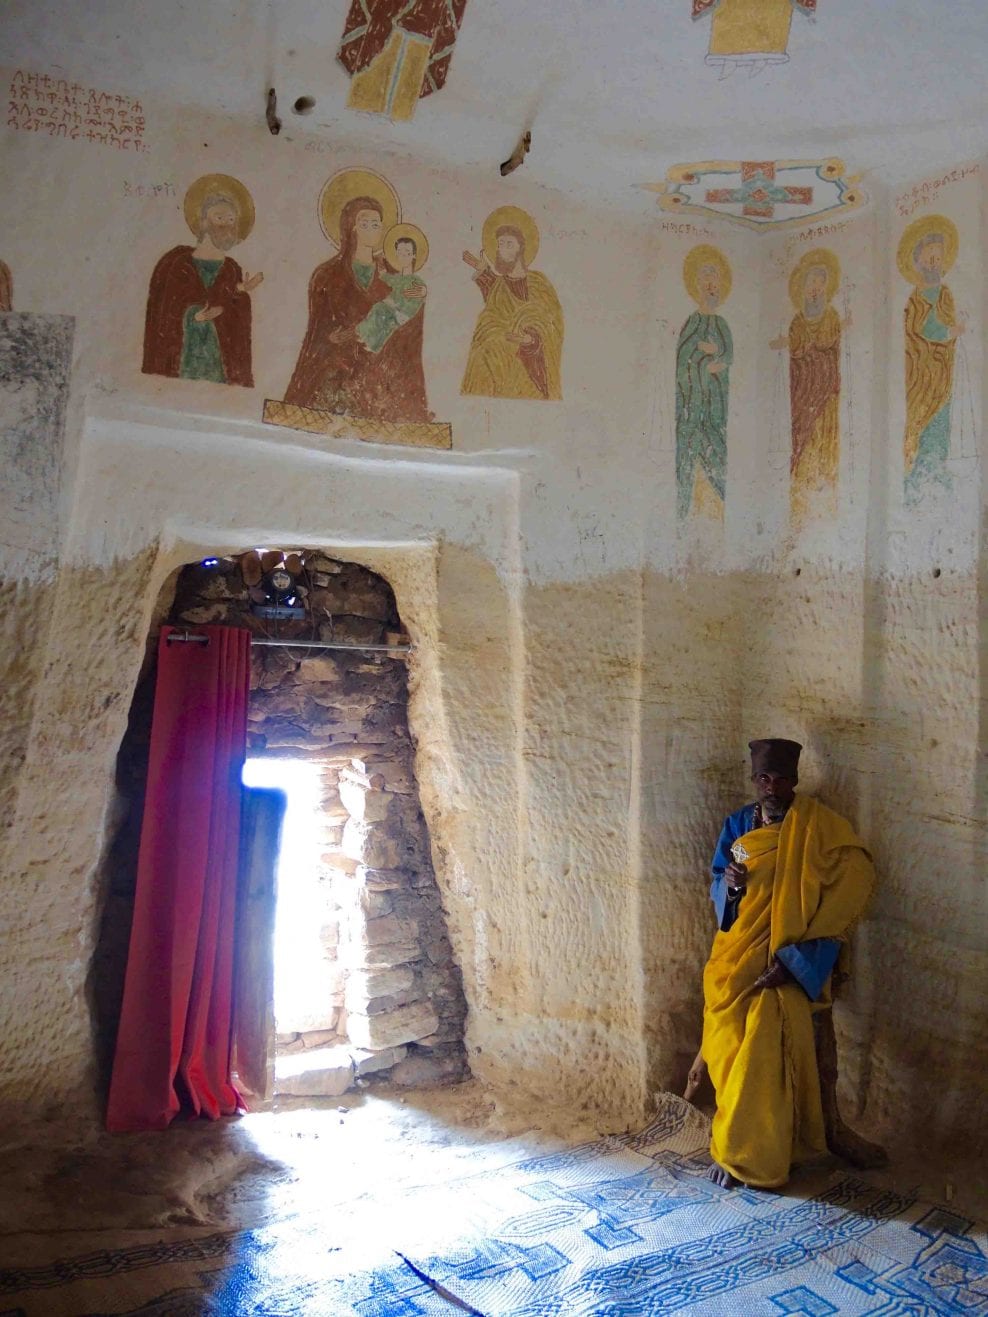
(775, 755)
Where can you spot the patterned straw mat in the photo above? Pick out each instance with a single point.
(619, 1226)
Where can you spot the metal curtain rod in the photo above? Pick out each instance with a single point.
(332, 644)
(192, 638)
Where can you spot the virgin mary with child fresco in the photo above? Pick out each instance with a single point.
(362, 352)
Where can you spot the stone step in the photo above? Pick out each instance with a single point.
(329, 1071)
(320, 1072)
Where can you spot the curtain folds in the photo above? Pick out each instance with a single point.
(174, 1043)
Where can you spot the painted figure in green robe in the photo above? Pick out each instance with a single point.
(403, 302)
(927, 250)
(703, 362)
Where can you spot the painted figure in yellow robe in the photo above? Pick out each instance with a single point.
(398, 51)
(814, 343)
(790, 877)
(927, 250)
(750, 32)
(517, 344)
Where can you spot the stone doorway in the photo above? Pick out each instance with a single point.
(384, 998)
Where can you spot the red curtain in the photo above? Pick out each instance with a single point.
(174, 1042)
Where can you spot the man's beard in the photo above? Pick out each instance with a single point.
(224, 238)
(505, 267)
(814, 307)
(774, 809)
(929, 276)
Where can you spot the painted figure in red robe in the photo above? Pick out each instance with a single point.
(198, 320)
(397, 51)
(335, 371)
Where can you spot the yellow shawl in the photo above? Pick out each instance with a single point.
(494, 367)
(808, 878)
(929, 366)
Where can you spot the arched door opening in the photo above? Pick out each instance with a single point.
(366, 985)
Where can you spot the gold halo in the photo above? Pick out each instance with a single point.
(915, 232)
(817, 256)
(346, 185)
(518, 219)
(230, 187)
(706, 255)
(399, 231)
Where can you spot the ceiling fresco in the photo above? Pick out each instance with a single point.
(760, 193)
(749, 34)
(613, 95)
(398, 51)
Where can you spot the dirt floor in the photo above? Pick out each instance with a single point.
(246, 1171)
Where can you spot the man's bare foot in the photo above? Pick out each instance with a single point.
(845, 1143)
(719, 1176)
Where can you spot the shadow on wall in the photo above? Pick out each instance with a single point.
(919, 1014)
(692, 777)
(837, 746)
(117, 869)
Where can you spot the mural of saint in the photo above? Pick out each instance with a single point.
(749, 32)
(814, 344)
(361, 358)
(6, 287)
(397, 51)
(703, 370)
(927, 250)
(198, 321)
(517, 345)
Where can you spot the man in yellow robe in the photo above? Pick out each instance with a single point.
(518, 340)
(790, 878)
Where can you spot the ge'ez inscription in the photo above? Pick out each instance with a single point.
(56, 107)
(148, 191)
